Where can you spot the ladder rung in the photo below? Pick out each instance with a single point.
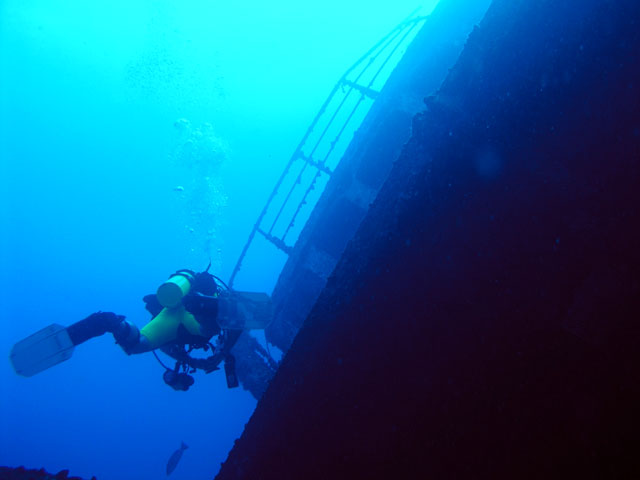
(276, 241)
(369, 92)
(320, 166)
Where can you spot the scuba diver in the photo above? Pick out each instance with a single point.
(188, 310)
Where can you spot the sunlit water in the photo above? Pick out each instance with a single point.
(137, 138)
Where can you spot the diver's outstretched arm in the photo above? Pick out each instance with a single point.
(125, 333)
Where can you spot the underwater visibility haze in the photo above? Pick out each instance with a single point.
(138, 138)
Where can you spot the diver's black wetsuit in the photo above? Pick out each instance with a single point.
(201, 302)
(99, 323)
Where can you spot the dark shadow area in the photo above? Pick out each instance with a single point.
(483, 322)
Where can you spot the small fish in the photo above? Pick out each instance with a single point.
(175, 458)
(178, 188)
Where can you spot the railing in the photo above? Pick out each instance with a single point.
(315, 158)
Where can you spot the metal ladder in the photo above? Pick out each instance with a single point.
(317, 156)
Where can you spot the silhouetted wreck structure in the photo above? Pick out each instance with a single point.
(352, 175)
(367, 163)
(483, 320)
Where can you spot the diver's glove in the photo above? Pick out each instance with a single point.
(201, 305)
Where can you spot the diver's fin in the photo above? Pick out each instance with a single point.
(42, 350)
(244, 311)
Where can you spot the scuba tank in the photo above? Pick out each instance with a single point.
(170, 293)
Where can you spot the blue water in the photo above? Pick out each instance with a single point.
(137, 138)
